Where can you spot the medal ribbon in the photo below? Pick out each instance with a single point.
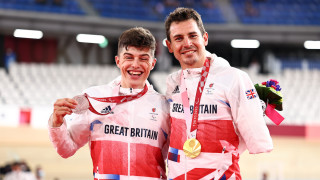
(115, 99)
(193, 121)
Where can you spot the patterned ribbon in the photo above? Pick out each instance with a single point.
(185, 101)
(115, 99)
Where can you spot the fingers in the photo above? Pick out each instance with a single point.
(66, 102)
(62, 110)
(62, 107)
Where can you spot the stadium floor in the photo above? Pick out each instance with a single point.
(292, 158)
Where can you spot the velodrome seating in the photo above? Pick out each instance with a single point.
(70, 7)
(276, 12)
(145, 10)
(40, 84)
(279, 12)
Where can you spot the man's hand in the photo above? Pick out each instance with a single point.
(62, 107)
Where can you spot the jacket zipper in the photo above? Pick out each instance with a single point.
(131, 119)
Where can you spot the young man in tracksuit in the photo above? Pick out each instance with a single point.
(126, 123)
(215, 111)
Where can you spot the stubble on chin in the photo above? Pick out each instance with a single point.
(190, 62)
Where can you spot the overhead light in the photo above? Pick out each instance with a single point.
(312, 44)
(245, 43)
(26, 33)
(91, 38)
(104, 44)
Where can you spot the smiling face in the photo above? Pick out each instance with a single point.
(187, 44)
(135, 65)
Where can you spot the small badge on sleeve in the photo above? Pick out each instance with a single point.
(251, 94)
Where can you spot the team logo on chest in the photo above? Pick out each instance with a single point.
(209, 90)
(154, 114)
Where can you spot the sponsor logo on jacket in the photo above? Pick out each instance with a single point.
(176, 90)
(107, 110)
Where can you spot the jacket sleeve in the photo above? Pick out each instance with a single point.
(166, 128)
(169, 87)
(71, 136)
(248, 116)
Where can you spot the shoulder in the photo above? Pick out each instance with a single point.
(173, 80)
(221, 65)
(174, 77)
(231, 74)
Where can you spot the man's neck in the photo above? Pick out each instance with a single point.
(123, 85)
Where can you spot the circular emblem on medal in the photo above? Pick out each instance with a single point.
(82, 106)
(192, 148)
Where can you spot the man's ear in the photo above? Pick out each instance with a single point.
(206, 38)
(169, 45)
(117, 60)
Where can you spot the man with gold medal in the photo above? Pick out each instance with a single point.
(213, 117)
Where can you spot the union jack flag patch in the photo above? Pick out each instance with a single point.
(251, 94)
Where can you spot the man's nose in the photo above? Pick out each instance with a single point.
(135, 62)
(187, 42)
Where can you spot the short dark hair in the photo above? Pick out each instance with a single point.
(183, 14)
(138, 37)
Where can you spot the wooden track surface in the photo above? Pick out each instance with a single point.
(291, 159)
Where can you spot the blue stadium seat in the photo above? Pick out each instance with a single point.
(142, 10)
(68, 7)
(280, 12)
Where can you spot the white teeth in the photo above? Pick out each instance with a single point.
(134, 73)
(189, 52)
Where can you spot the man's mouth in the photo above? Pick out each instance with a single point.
(135, 73)
(188, 52)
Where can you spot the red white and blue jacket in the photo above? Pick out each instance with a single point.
(130, 142)
(230, 121)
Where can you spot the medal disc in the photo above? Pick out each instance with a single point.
(192, 148)
(82, 106)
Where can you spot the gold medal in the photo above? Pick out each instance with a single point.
(192, 148)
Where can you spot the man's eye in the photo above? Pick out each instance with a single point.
(178, 39)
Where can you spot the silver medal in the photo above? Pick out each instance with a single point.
(82, 106)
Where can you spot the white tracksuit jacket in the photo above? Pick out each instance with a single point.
(230, 120)
(129, 143)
